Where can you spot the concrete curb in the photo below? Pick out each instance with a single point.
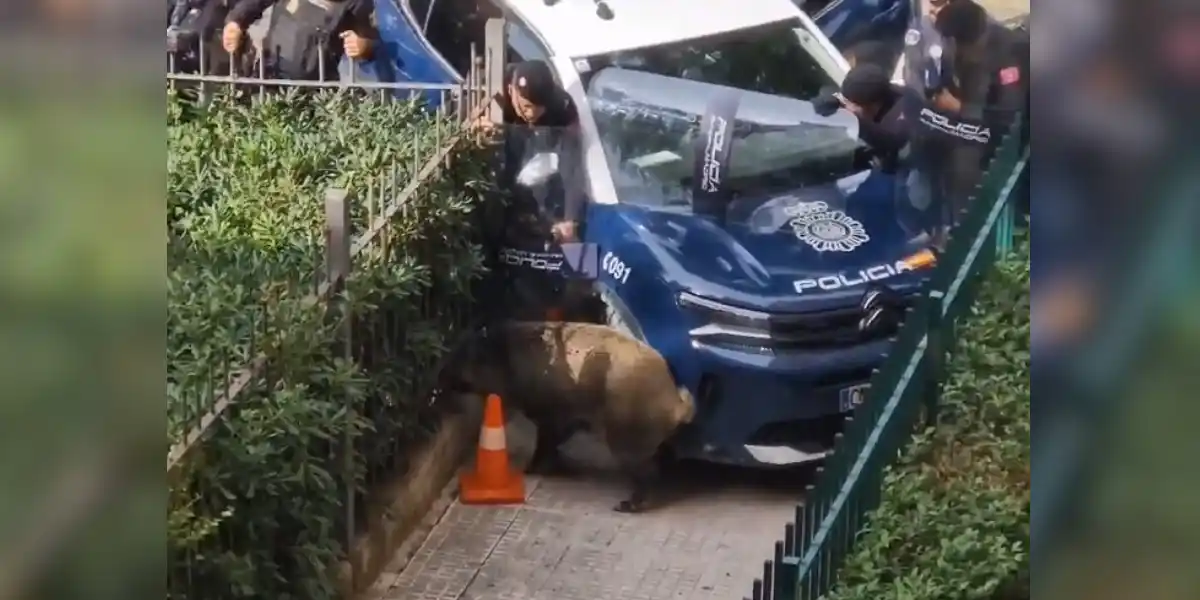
(404, 511)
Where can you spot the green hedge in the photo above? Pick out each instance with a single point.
(954, 520)
(258, 510)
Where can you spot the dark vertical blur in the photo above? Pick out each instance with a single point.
(82, 299)
(1116, 213)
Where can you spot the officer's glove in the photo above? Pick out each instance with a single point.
(827, 102)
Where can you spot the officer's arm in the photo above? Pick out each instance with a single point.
(362, 19)
(213, 14)
(880, 137)
(889, 134)
(246, 12)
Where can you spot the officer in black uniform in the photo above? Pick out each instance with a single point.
(970, 71)
(192, 27)
(990, 84)
(868, 93)
(539, 114)
(885, 124)
(532, 97)
(991, 64)
(299, 43)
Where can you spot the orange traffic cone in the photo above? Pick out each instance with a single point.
(493, 481)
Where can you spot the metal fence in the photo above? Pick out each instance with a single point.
(360, 229)
(379, 199)
(209, 68)
(806, 561)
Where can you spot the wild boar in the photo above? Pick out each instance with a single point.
(571, 376)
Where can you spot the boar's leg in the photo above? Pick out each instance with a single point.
(551, 434)
(644, 470)
(644, 476)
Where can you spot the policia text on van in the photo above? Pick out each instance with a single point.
(304, 34)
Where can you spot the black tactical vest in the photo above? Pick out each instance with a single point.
(301, 35)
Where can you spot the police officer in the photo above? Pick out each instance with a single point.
(299, 38)
(532, 97)
(880, 107)
(535, 107)
(990, 66)
(192, 27)
(989, 86)
(968, 70)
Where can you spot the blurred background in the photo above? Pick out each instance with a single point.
(1116, 221)
(82, 148)
(1116, 215)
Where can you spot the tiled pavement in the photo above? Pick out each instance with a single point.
(565, 542)
(1006, 9)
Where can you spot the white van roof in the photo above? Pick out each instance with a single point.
(571, 27)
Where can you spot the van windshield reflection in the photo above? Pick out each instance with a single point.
(649, 128)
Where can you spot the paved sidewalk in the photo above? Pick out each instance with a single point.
(566, 543)
(1006, 9)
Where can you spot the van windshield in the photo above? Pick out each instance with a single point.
(768, 60)
(649, 104)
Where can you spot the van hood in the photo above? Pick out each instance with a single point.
(807, 249)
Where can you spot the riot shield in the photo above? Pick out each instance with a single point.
(959, 71)
(542, 248)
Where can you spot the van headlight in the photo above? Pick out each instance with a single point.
(718, 320)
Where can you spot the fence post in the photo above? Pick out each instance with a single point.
(1004, 230)
(495, 59)
(787, 573)
(935, 355)
(337, 271)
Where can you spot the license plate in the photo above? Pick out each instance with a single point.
(849, 398)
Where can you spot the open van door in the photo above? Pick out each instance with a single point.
(406, 53)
